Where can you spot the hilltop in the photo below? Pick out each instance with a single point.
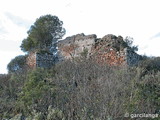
(110, 50)
(81, 77)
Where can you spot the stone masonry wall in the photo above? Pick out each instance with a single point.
(110, 50)
(44, 60)
(31, 60)
(75, 45)
(40, 60)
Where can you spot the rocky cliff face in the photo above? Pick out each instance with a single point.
(110, 50)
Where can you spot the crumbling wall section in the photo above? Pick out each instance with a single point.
(44, 60)
(31, 60)
(110, 50)
(110, 56)
(73, 46)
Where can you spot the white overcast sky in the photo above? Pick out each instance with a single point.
(139, 19)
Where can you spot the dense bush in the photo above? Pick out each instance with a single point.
(17, 65)
(79, 89)
(38, 92)
(150, 65)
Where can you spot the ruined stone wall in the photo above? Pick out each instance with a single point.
(110, 50)
(40, 60)
(110, 56)
(73, 46)
(31, 60)
(44, 60)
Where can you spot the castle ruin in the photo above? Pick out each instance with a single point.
(110, 49)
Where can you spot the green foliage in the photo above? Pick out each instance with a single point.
(84, 53)
(37, 116)
(80, 90)
(18, 64)
(46, 29)
(150, 91)
(150, 65)
(8, 96)
(17, 117)
(97, 92)
(33, 87)
(35, 90)
(54, 114)
(51, 114)
(129, 41)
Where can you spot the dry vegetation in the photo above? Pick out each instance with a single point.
(80, 90)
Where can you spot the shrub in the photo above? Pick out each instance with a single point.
(38, 92)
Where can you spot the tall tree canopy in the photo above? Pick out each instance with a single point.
(40, 35)
(18, 64)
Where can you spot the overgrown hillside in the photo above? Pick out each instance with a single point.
(80, 88)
